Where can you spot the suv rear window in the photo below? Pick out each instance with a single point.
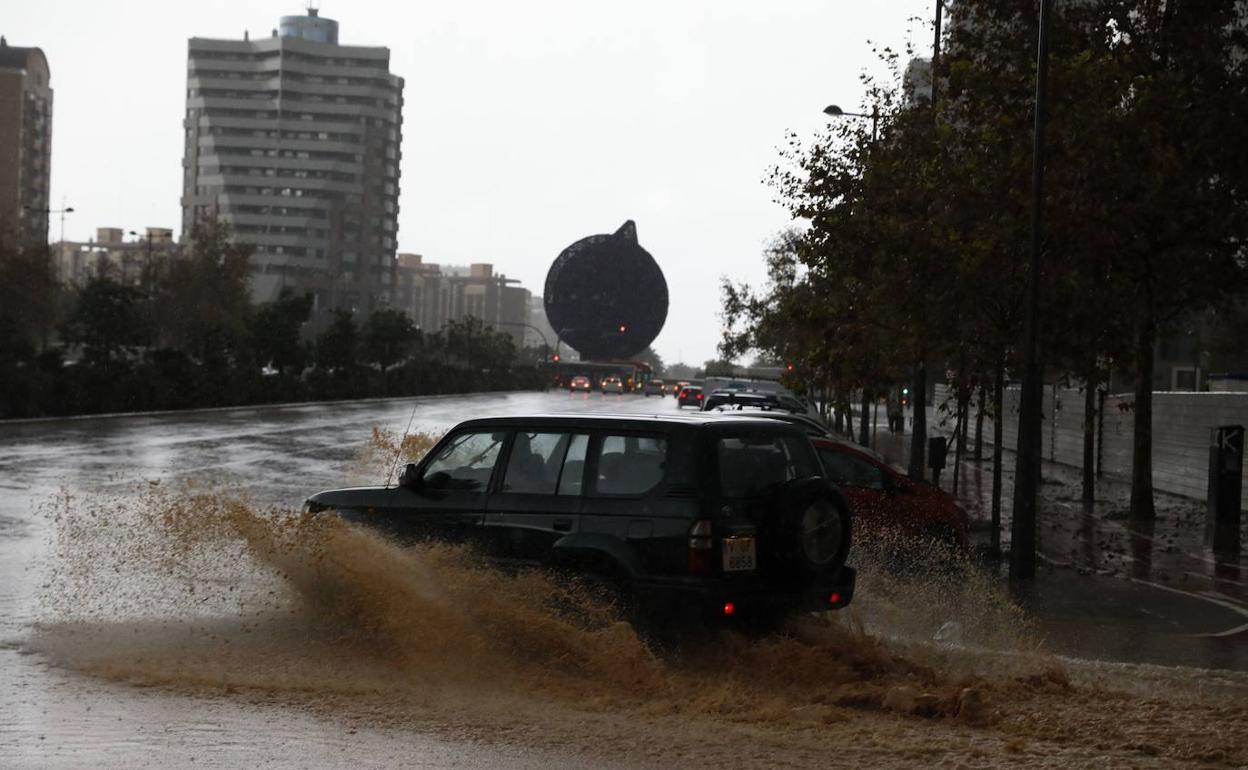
(750, 466)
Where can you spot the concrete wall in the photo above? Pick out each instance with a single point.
(1182, 423)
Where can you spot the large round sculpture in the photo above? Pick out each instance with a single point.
(606, 296)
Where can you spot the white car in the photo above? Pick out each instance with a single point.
(612, 385)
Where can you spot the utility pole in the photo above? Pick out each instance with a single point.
(1030, 434)
(918, 439)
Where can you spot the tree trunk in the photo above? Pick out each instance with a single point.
(958, 435)
(1089, 443)
(979, 423)
(849, 416)
(964, 415)
(998, 427)
(1142, 449)
(864, 424)
(918, 441)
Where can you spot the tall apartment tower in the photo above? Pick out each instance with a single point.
(294, 141)
(25, 140)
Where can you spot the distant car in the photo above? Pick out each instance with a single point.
(690, 395)
(654, 388)
(885, 501)
(612, 385)
(580, 383)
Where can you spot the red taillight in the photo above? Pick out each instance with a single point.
(700, 544)
(699, 397)
(834, 598)
(729, 608)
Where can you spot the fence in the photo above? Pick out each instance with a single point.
(1182, 424)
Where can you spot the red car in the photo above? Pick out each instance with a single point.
(884, 500)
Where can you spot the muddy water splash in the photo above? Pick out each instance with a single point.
(202, 564)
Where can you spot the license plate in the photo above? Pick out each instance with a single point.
(739, 554)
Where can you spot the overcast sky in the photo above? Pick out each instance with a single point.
(527, 125)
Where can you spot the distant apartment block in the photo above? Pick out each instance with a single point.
(294, 140)
(110, 254)
(25, 140)
(431, 295)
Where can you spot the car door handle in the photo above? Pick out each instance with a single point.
(563, 525)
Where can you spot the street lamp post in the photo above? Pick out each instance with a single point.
(47, 212)
(834, 111)
(147, 257)
(1027, 470)
(874, 116)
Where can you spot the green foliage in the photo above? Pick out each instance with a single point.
(202, 301)
(275, 332)
(470, 342)
(915, 246)
(337, 349)
(29, 298)
(389, 337)
(108, 319)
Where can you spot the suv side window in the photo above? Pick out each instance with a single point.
(845, 469)
(535, 462)
(465, 462)
(631, 465)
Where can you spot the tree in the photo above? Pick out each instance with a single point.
(389, 337)
(275, 331)
(202, 300)
(108, 320)
(337, 348)
(29, 296)
(655, 361)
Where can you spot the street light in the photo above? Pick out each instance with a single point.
(147, 257)
(48, 212)
(63, 210)
(834, 111)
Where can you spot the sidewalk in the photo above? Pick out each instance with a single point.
(1109, 586)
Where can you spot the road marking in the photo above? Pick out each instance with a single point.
(1241, 611)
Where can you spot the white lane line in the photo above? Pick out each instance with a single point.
(1237, 609)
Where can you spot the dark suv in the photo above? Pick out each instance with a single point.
(702, 516)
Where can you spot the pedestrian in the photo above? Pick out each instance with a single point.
(896, 417)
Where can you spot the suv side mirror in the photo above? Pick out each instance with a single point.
(408, 477)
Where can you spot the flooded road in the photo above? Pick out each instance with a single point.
(160, 606)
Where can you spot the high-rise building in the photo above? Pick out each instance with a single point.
(294, 141)
(25, 140)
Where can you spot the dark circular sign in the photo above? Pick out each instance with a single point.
(606, 296)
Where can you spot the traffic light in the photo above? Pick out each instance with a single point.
(555, 358)
(905, 391)
(623, 328)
